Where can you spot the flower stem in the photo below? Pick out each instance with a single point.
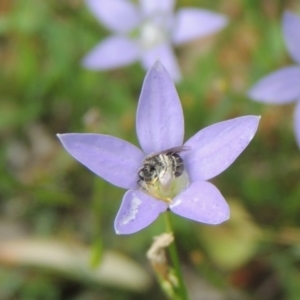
(182, 291)
(97, 245)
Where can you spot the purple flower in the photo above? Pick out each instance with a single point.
(283, 85)
(146, 32)
(163, 174)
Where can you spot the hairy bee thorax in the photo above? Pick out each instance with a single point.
(163, 174)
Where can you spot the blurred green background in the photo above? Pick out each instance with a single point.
(56, 218)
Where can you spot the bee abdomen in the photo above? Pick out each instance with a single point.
(177, 162)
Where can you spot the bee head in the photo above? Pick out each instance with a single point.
(147, 172)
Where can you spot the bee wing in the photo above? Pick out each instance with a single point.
(177, 149)
(171, 150)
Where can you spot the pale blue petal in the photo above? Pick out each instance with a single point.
(111, 158)
(291, 32)
(297, 123)
(166, 55)
(117, 15)
(159, 121)
(214, 148)
(152, 7)
(201, 202)
(112, 52)
(137, 211)
(193, 23)
(279, 87)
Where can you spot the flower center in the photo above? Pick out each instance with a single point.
(151, 35)
(163, 175)
(155, 30)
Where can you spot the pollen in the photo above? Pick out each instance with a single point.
(166, 190)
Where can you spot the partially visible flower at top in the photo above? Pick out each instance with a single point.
(164, 174)
(283, 85)
(146, 32)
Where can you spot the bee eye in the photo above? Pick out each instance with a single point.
(148, 168)
(152, 169)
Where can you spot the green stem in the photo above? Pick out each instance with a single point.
(97, 247)
(175, 260)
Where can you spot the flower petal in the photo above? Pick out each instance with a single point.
(193, 23)
(159, 121)
(297, 123)
(111, 158)
(112, 52)
(279, 87)
(137, 211)
(291, 32)
(201, 202)
(166, 55)
(215, 148)
(117, 15)
(152, 7)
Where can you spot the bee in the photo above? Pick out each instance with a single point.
(161, 168)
